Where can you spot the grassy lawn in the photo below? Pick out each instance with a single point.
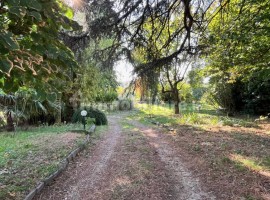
(191, 116)
(233, 151)
(32, 155)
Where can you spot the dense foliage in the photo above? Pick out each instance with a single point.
(32, 53)
(160, 38)
(238, 56)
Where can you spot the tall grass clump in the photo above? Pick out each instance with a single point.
(191, 118)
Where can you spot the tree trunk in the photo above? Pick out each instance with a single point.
(154, 96)
(10, 125)
(176, 101)
(176, 108)
(142, 98)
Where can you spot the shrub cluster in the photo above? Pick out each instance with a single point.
(100, 117)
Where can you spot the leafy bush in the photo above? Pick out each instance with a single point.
(100, 117)
(125, 104)
(90, 120)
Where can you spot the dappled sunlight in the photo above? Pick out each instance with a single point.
(264, 173)
(74, 3)
(150, 109)
(266, 196)
(123, 181)
(150, 133)
(135, 129)
(154, 144)
(206, 118)
(237, 131)
(252, 164)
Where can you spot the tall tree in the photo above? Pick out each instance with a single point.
(31, 52)
(173, 75)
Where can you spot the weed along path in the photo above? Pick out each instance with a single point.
(131, 161)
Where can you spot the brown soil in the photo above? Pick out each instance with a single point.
(131, 163)
(51, 142)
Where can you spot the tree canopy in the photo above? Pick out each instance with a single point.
(38, 41)
(238, 55)
(32, 53)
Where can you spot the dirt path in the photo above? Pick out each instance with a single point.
(84, 176)
(132, 162)
(186, 185)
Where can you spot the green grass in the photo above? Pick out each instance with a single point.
(252, 163)
(229, 121)
(29, 156)
(189, 115)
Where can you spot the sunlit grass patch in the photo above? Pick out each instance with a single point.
(151, 110)
(189, 115)
(165, 115)
(127, 125)
(253, 164)
(228, 121)
(192, 118)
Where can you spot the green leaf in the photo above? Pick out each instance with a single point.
(17, 10)
(10, 85)
(38, 49)
(36, 15)
(34, 5)
(69, 13)
(52, 97)
(1, 83)
(41, 94)
(8, 41)
(3, 50)
(13, 2)
(5, 66)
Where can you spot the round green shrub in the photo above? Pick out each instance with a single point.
(125, 104)
(100, 117)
